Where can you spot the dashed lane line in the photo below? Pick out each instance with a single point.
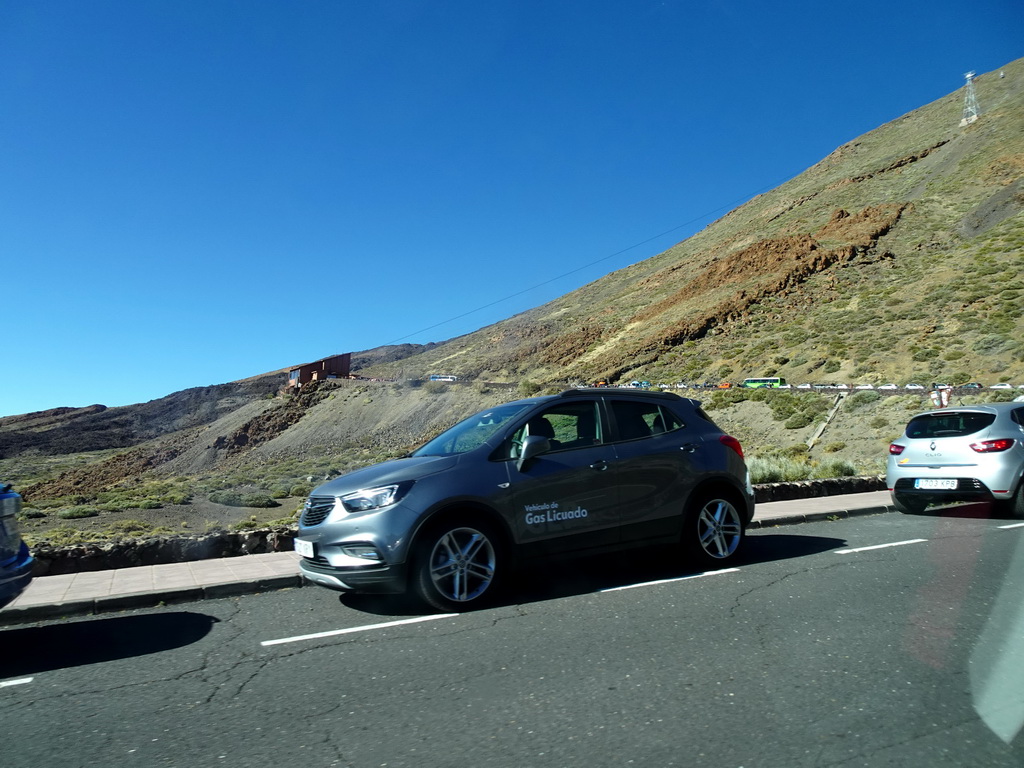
(351, 630)
(669, 581)
(19, 681)
(879, 546)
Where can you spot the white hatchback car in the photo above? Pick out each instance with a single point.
(967, 453)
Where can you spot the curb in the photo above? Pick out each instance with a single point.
(149, 599)
(816, 517)
(153, 598)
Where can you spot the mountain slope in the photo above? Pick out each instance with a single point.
(885, 221)
(899, 257)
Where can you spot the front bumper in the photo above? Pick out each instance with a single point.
(378, 579)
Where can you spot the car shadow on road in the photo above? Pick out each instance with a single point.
(568, 577)
(976, 510)
(31, 650)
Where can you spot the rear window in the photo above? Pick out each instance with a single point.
(949, 424)
(636, 419)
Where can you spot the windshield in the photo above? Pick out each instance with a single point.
(472, 432)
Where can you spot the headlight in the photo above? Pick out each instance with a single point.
(373, 498)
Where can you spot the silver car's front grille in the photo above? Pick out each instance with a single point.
(316, 510)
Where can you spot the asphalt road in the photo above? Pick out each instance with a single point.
(873, 641)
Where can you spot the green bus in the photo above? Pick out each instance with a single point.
(770, 382)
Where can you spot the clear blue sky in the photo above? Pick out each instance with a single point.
(197, 191)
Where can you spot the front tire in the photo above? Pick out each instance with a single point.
(713, 530)
(457, 566)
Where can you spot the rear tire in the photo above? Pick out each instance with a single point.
(713, 530)
(458, 565)
(1013, 507)
(909, 505)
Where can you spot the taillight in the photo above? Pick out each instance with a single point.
(993, 446)
(896, 449)
(731, 442)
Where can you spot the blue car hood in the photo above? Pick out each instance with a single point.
(396, 471)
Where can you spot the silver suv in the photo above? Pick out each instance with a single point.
(967, 453)
(579, 472)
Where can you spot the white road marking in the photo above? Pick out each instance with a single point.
(19, 681)
(879, 546)
(350, 630)
(669, 581)
(1012, 525)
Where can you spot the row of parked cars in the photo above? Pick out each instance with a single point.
(910, 386)
(598, 470)
(704, 385)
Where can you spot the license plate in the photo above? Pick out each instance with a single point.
(304, 548)
(936, 484)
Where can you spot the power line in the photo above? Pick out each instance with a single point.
(727, 206)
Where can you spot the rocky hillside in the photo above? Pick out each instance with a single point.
(898, 257)
(96, 427)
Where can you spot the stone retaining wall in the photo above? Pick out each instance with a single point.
(50, 560)
(810, 489)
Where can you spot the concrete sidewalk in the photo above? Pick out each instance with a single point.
(100, 591)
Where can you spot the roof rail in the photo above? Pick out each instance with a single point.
(617, 391)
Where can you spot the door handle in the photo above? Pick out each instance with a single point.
(688, 447)
(600, 466)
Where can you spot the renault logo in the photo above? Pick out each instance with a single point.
(932, 446)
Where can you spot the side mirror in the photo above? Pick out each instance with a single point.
(533, 445)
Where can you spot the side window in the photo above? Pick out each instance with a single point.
(566, 425)
(635, 419)
(1018, 416)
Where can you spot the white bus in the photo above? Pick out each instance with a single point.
(443, 377)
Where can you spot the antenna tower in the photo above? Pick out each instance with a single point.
(971, 108)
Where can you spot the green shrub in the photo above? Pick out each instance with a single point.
(237, 499)
(260, 500)
(777, 469)
(228, 498)
(862, 398)
(528, 388)
(282, 521)
(833, 468)
(834, 447)
(76, 513)
(128, 527)
(65, 536)
(798, 421)
(723, 398)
